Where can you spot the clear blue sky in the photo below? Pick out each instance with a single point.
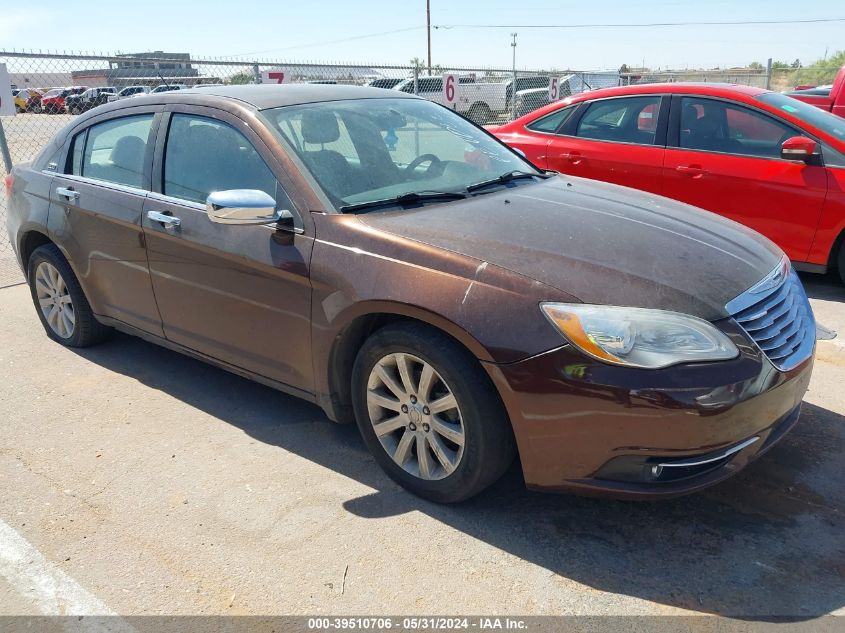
(297, 30)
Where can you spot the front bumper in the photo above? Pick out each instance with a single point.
(583, 425)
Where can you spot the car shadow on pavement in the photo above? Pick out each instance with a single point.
(827, 287)
(769, 542)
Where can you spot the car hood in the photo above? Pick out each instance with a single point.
(601, 243)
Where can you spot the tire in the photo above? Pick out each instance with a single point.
(479, 113)
(37, 108)
(75, 110)
(840, 265)
(465, 447)
(53, 284)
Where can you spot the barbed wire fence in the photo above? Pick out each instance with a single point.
(52, 90)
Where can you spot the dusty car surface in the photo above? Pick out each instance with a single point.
(395, 264)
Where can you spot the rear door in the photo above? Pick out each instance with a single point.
(725, 157)
(237, 293)
(95, 213)
(619, 140)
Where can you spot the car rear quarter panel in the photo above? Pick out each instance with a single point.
(29, 204)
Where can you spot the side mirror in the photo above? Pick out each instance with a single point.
(799, 148)
(242, 206)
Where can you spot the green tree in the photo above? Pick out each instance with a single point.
(756, 66)
(242, 78)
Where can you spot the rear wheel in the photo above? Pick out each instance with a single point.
(429, 414)
(37, 108)
(61, 305)
(479, 113)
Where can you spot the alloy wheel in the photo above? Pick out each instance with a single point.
(415, 416)
(54, 300)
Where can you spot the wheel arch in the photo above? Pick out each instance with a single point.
(31, 240)
(337, 401)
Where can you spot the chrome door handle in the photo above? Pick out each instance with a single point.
(70, 194)
(168, 221)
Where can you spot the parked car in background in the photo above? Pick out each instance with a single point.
(530, 100)
(128, 91)
(480, 102)
(758, 157)
(20, 97)
(54, 101)
(829, 98)
(33, 101)
(458, 303)
(91, 98)
(525, 83)
(167, 88)
(384, 82)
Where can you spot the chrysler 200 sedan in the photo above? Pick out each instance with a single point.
(390, 261)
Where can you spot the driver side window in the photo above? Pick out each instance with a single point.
(719, 126)
(204, 155)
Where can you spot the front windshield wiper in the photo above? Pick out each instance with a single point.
(506, 177)
(406, 198)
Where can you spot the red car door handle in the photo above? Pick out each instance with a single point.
(696, 171)
(572, 157)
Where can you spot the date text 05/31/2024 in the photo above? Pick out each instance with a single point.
(415, 623)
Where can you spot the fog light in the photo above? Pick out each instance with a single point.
(656, 470)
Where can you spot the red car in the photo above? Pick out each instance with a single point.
(54, 101)
(757, 157)
(830, 98)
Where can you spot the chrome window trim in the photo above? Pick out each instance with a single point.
(103, 183)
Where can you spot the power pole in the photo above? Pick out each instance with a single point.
(428, 30)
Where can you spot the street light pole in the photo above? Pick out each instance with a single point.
(513, 88)
(428, 30)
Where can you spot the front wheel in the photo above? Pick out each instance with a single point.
(429, 414)
(61, 305)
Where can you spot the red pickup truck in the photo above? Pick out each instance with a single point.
(830, 98)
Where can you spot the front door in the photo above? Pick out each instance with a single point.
(237, 293)
(726, 158)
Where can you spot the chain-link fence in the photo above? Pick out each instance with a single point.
(52, 88)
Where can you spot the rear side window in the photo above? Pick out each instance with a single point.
(719, 126)
(623, 120)
(205, 155)
(552, 122)
(114, 150)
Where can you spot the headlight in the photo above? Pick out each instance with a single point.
(639, 337)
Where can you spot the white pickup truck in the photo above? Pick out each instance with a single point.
(480, 102)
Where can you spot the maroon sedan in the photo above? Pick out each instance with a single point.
(393, 263)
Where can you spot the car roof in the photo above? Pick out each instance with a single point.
(266, 96)
(712, 89)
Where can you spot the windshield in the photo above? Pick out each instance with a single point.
(825, 121)
(372, 149)
(53, 93)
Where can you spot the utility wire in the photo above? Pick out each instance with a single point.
(629, 25)
(345, 39)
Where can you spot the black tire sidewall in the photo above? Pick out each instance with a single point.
(86, 330)
(488, 448)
